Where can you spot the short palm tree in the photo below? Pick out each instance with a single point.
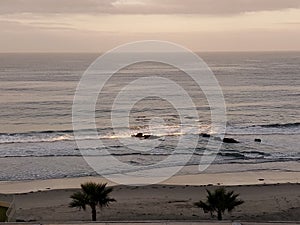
(94, 195)
(219, 201)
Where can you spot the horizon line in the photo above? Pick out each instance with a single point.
(101, 52)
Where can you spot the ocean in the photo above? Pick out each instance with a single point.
(261, 91)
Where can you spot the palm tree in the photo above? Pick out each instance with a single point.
(219, 201)
(92, 194)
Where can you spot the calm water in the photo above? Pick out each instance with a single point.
(261, 91)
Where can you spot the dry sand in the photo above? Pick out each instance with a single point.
(265, 200)
(163, 202)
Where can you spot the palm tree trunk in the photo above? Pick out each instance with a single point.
(94, 214)
(219, 215)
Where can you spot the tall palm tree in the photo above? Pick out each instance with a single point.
(94, 195)
(219, 201)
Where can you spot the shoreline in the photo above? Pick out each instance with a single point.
(204, 179)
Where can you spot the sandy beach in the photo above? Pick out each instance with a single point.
(46, 201)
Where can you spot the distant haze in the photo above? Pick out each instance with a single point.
(201, 25)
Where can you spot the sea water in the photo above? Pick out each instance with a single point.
(261, 91)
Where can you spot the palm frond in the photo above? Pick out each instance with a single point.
(219, 201)
(79, 200)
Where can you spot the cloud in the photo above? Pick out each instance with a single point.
(208, 7)
(53, 6)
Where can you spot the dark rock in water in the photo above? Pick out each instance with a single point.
(205, 135)
(145, 136)
(257, 140)
(230, 140)
(139, 135)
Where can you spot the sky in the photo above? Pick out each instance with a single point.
(99, 25)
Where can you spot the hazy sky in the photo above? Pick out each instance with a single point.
(98, 25)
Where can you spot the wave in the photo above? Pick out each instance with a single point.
(89, 134)
(279, 125)
(46, 136)
(245, 154)
(23, 138)
(41, 132)
(107, 133)
(222, 155)
(265, 129)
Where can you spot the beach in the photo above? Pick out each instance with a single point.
(47, 201)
